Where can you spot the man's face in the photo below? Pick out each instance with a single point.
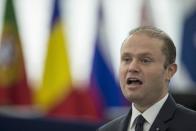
(143, 78)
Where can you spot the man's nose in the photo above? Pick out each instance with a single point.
(133, 66)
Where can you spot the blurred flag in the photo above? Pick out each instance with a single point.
(56, 82)
(188, 56)
(57, 93)
(81, 104)
(103, 78)
(102, 75)
(146, 14)
(14, 89)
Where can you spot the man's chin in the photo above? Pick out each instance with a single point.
(133, 98)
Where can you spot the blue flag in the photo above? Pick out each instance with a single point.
(189, 45)
(102, 75)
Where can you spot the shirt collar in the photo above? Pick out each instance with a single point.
(150, 114)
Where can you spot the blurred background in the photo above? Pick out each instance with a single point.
(60, 59)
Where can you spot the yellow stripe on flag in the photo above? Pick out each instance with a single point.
(56, 78)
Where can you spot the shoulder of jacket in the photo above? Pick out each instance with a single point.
(185, 111)
(113, 124)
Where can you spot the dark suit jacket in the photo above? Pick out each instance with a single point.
(172, 117)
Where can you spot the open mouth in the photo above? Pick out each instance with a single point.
(134, 81)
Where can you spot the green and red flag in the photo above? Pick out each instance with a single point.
(14, 89)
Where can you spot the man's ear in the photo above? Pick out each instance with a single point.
(171, 70)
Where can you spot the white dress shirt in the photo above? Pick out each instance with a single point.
(149, 115)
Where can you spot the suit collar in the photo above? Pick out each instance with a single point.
(125, 122)
(166, 114)
(160, 124)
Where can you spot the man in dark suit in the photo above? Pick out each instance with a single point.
(147, 64)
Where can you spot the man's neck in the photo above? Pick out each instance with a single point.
(144, 107)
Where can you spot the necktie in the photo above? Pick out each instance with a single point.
(139, 123)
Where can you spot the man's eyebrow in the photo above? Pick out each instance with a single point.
(125, 54)
(145, 54)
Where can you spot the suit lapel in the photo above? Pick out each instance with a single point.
(166, 114)
(124, 123)
(160, 124)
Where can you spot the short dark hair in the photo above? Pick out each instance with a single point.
(169, 49)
